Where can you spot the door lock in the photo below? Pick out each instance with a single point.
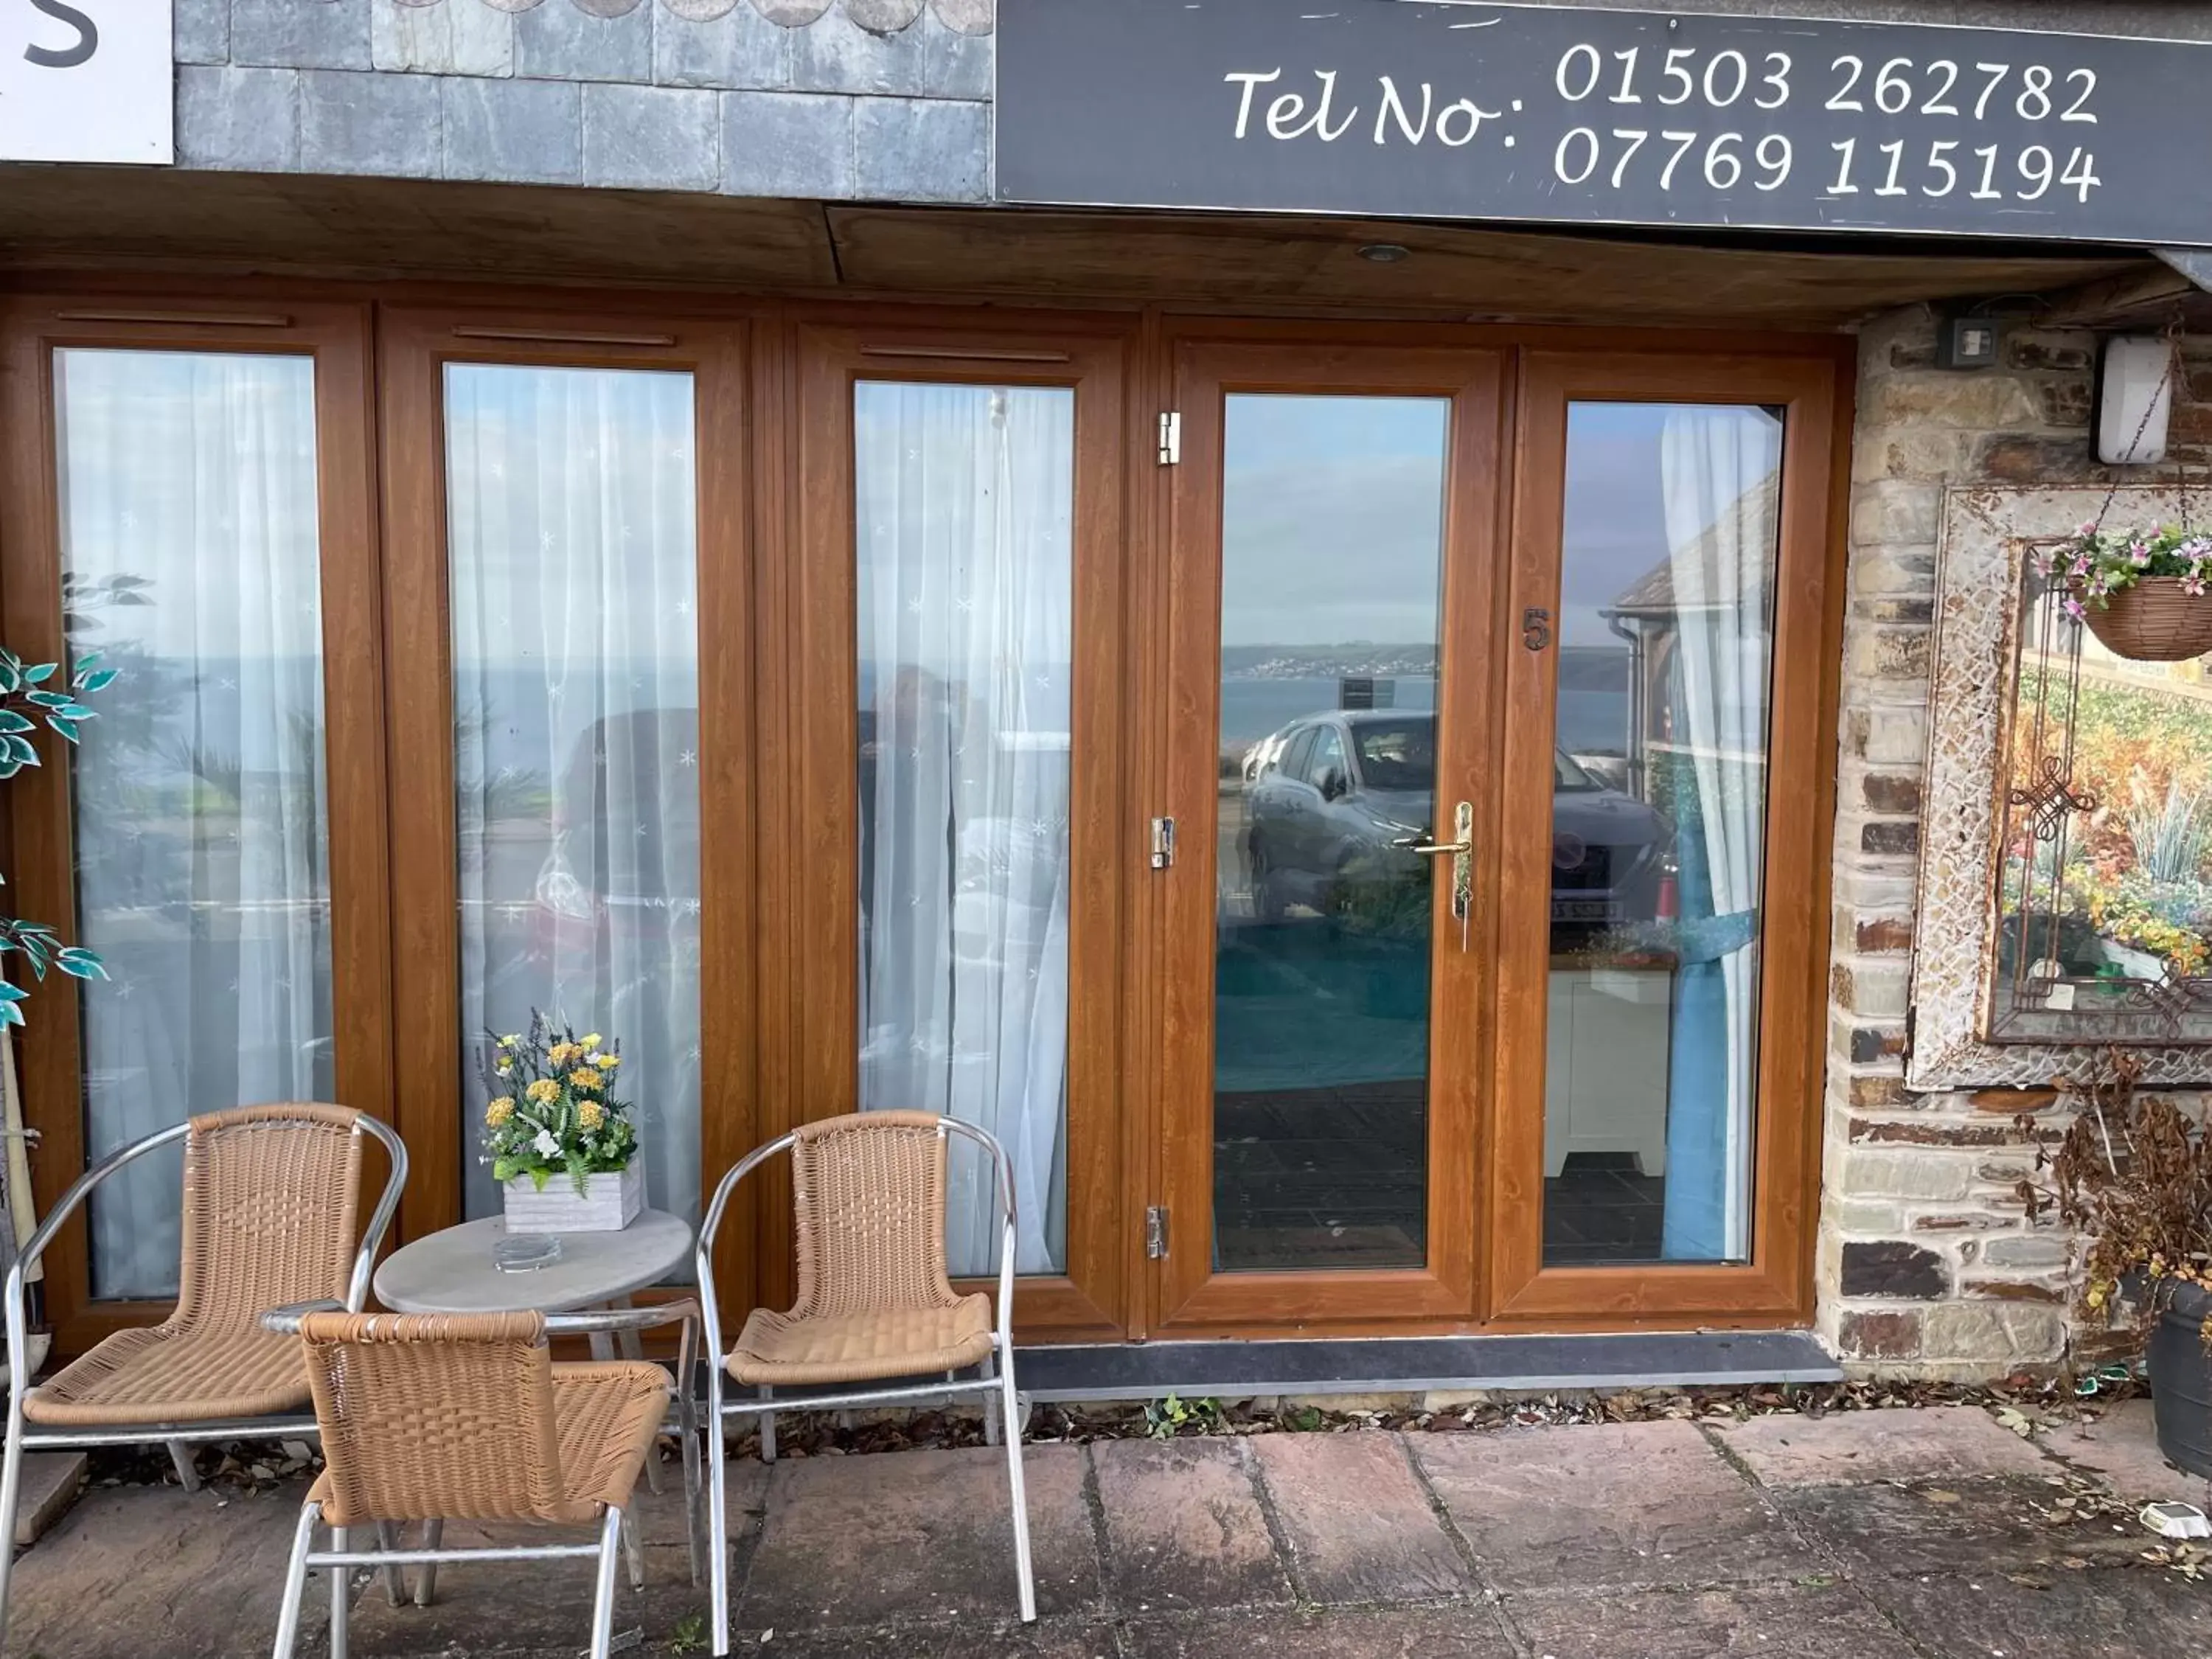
(1460, 848)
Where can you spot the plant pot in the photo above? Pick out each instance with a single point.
(2157, 620)
(2181, 1380)
(608, 1203)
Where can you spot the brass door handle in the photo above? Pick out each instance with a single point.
(1430, 849)
(1462, 852)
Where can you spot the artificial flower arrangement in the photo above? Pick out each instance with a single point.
(553, 1108)
(2147, 593)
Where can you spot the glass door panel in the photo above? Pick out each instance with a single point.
(1332, 541)
(1665, 641)
(1333, 574)
(571, 500)
(191, 562)
(963, 546)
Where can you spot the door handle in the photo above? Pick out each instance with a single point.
(1429, 849)
(1461, 850)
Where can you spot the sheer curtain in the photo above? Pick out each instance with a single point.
(965, 520)
(189, 544)
(571, 545)
(1720, 477)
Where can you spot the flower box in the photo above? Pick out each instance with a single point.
(608, 1203)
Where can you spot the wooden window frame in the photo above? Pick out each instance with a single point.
(414, 344)
(1776, 1285)
(814, 656)
(336, 337)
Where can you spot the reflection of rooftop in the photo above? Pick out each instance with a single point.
(1688, 579)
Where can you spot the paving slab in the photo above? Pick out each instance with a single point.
(1605, 1507)
(917, 1536)
(1359, 1522)
(2127, 1613)
(1184, 1528)
(2120, 1449)
(51, 1482)
(1814, 1620)
(517, 1607)
(1469, 1631)
(1886, 1529)
(1048, 1638)
(1938, 1442)
(137, 1571)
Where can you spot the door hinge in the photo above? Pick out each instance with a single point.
(1171, 439)
(1163, 843)
(1156, 1232)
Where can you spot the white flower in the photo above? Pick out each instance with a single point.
(546, 1145)
(505, 1070)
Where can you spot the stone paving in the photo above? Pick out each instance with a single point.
(1904, 1534)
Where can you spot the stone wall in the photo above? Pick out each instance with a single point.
(1927, 1261)
(869, 99)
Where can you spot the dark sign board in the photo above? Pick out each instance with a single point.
(1455, 109)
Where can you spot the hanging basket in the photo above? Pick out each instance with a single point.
(2157, 620)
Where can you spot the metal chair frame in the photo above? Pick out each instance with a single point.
(617, 1528)
(998, 1392)
(179, 1437)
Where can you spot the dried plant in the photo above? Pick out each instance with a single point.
(2132, 1176)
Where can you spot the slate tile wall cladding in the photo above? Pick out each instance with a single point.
(874, 100)
(1927, 1262)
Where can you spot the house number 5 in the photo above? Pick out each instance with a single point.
(1535, 628)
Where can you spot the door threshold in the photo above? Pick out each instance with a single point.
(1422, 1365)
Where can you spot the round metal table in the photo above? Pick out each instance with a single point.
(452, 1271)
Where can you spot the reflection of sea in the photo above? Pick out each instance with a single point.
(1591, 720)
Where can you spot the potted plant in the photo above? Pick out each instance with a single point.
(2133, 1176)
(553, 1113)
(2144, 592)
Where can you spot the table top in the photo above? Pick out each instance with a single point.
(452, 1272)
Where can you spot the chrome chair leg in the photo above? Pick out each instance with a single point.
(990, 1403)
(767, 1428)
(387, 1540)
(341, 1599)
(11, 1495)
(181, 1457)
(1016, 1490)
(634, 1548)
(426, 1576)
(718, 1514)
(295, 1581)
(603, 1602)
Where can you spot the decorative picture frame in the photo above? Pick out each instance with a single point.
(1970, 811)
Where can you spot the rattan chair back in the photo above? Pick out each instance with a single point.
(437, 1417)
(272, 1194)
(869, 1194)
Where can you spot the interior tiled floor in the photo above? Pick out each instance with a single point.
(1336, 1178)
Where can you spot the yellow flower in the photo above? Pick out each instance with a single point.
(593, 1039)
(589, 1113)
(544, 1091)
(510, 1042)
(561, 1053)
(606, 1062)
(500, 1111)
(585, 1078)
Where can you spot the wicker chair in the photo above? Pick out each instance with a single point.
(439, 1417)
(270, 1196)
(874, 1304)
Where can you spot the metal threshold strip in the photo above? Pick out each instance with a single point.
(1421, 1364)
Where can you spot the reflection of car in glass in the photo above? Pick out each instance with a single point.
(1332, 798)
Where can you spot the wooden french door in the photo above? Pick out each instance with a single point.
(945, 851)
(1332, 601)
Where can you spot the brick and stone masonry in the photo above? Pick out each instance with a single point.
(1927, 1260)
